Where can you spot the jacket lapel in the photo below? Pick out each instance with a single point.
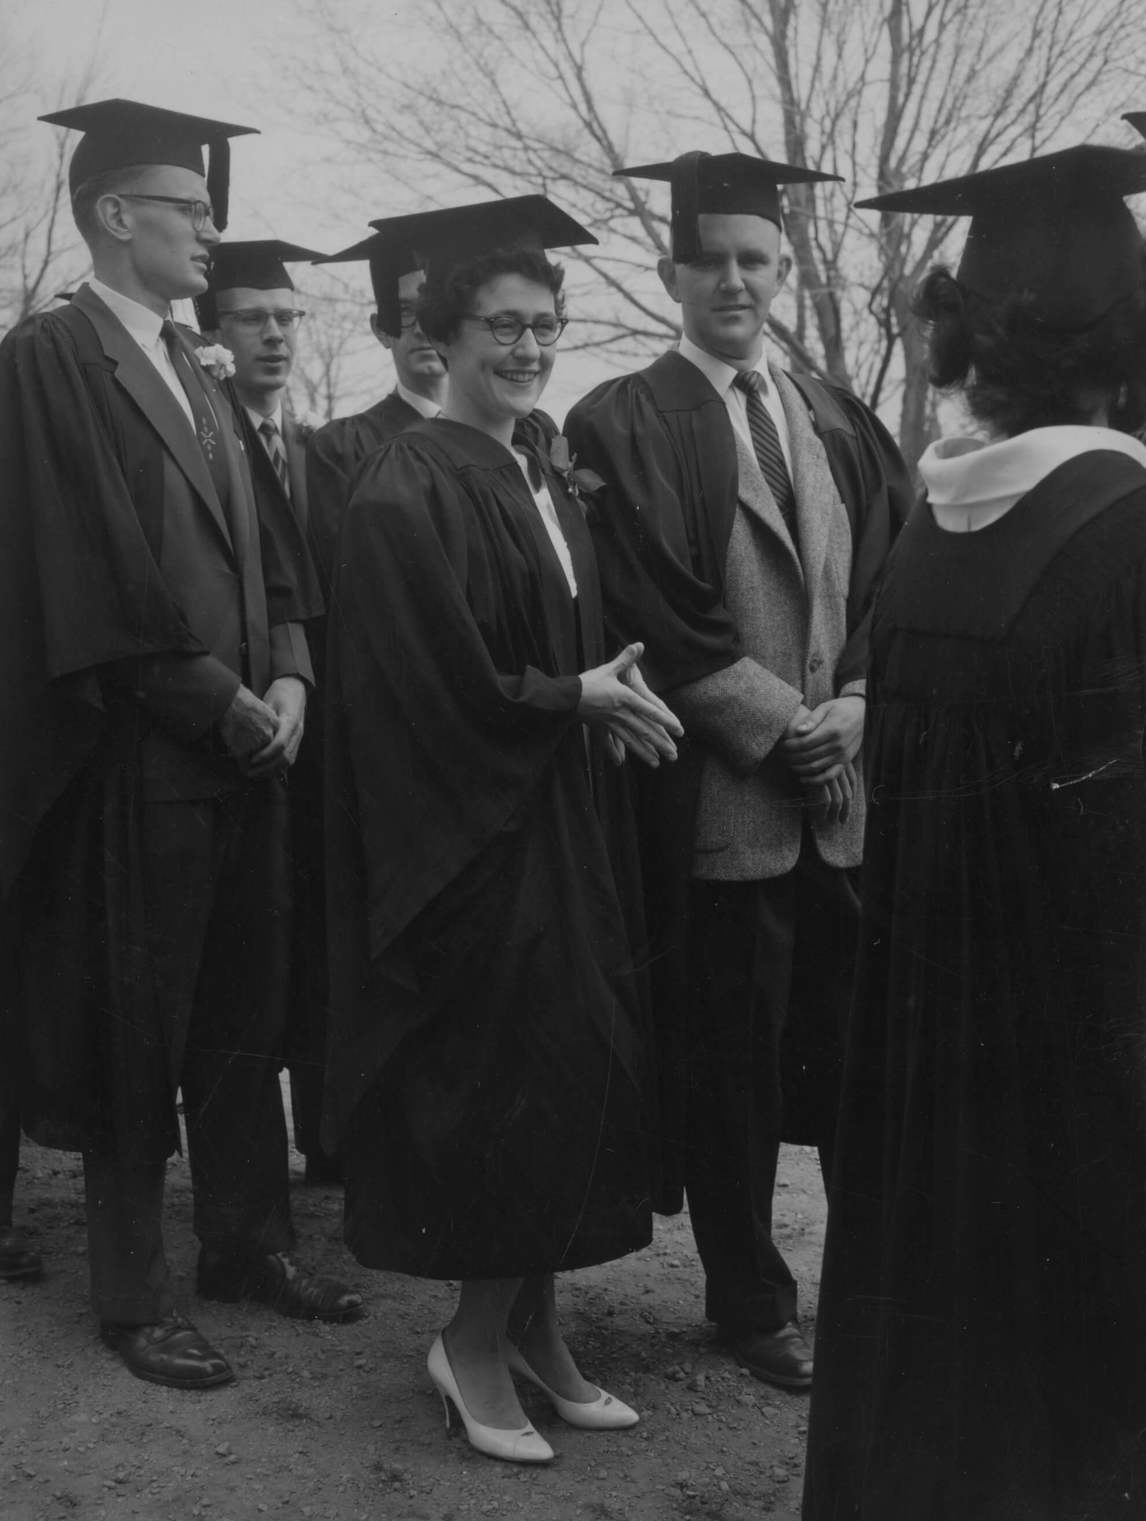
(817, 495)
(139, 378)
(755, 496)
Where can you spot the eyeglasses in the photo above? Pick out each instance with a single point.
(508, 329)
(200, 212)
(252, 320)
(408, 315)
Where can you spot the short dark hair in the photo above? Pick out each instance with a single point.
(448, 296)
(87, 193)
(1017, 373)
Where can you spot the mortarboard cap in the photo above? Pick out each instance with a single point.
(459, 234)
(438, 240)
(728, 183)
(1137, 120)
(119, 134)
(1054, 227)
(256, 265)
(389, 260)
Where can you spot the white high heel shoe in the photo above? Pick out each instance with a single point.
(521, 1446)
(605, 1413)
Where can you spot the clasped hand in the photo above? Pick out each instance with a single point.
(820, 746)
(263, 734)
(616, 699)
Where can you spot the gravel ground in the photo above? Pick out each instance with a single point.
(339, 1423)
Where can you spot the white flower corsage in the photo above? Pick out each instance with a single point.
(307, 418)
(578, 483)
(216, 360)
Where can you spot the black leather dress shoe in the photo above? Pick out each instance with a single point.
(169, 1352)
(278, 1281)
(780, 1357)
(18, 1259)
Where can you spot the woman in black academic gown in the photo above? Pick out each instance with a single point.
(486, 1056)
(981, 1342)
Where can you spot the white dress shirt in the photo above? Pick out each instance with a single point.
(145, 327)
(544, 504)
(258, 418)
(421, 404)
(720, 374)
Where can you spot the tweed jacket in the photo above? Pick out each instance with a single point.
(791, 612)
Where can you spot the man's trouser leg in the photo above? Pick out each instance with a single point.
(129, 1278)
(773, 963)
(741, 936)
(205, 865)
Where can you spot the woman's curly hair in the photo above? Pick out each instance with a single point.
(448, 296)
(1017, 373)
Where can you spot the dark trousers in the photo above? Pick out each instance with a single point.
(217, 929)
(771, 973)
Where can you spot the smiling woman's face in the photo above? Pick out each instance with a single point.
(492, 384)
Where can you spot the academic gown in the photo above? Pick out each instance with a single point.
(485, 1065)
(334, 455)
(663, 442)
(982, 1322)
(111, 690)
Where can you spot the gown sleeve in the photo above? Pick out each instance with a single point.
(660, 551)
(878, 493)
(80, 589)
(432, 748)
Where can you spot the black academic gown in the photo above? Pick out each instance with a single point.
(132, 603)
(982, 1323)
(663, 442)
(307, 991)
(334, 455)
(485, 1071)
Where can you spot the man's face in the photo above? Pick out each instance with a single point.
(725, 296)
(169, 258)
(415, 358)
(255, 327)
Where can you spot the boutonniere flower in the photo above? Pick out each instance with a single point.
(216, 360)
(578, 483)
(306, 418)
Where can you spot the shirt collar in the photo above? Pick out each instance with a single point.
(718, 372)
(257, 418)
(421, 404)
(140, 321)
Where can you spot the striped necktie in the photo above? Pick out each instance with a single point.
(766, 443)
(273, 441)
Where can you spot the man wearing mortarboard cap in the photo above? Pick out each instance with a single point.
(156, 675)
(250, 305)
(745, 516)
(335, 451)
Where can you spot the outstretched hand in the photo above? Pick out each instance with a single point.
(616, 699)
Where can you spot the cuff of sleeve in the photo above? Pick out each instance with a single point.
(289, 653)
(854, 689)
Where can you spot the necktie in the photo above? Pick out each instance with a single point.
(766, 442)
(206, 425)
(273, 442)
